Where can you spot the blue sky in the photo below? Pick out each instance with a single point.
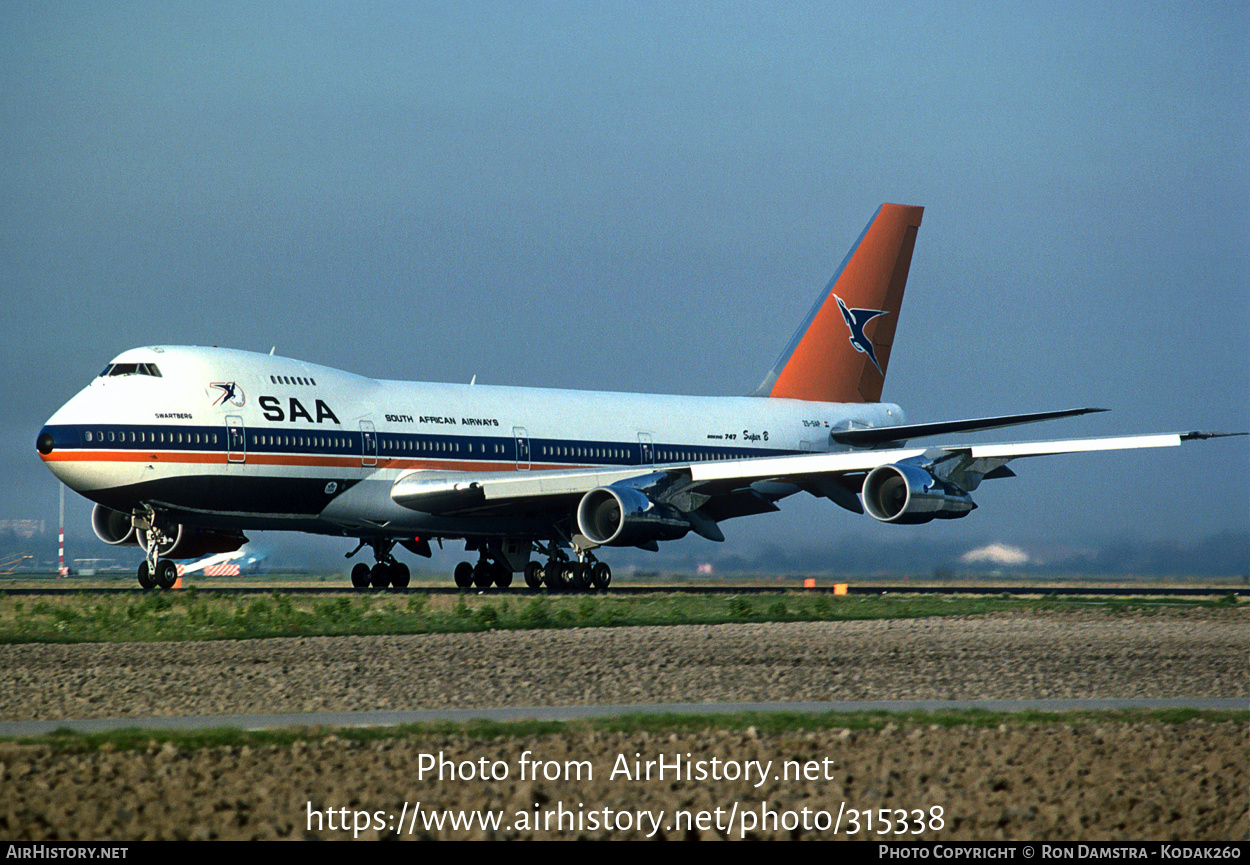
(647, 197)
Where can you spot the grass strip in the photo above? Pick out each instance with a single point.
(207, 615)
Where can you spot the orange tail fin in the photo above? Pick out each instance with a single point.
(841, 351)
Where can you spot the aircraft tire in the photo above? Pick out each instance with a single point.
(578, 576)
(556, 575)
(534, 575)
(400, 575)
(380, 575)
(463, 575)
(360, 575)
(483, 575)
(601, 576)
(503, 576)
(166, 574)
(145, 577)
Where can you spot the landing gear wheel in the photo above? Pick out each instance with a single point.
(380, 575)
(360, 575)
(557, 575)
(145, 576)
(166, 574)
(533, 575)
(483, 575)
(578, 576)
(464, 575)
(601, 576)
(400, 575)
(503, 576)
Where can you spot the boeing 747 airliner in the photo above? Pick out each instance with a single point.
(184, 449)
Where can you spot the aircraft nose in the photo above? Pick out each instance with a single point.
(45, 443)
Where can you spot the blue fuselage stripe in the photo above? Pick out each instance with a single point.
(390, 445)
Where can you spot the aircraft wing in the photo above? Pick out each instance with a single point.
(802, 465)
(900, 485)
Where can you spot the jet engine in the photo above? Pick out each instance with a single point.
(621, 516)
(113, 527)
(907, 494)
(186, 542)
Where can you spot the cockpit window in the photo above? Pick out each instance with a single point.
(131, 369)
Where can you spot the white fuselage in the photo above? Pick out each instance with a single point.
(238, 440)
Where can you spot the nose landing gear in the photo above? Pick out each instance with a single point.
(154, 572)
(164, 575)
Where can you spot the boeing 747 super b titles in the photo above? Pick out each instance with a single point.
(184, 449)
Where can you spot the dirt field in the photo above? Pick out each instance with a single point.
(1079, 781)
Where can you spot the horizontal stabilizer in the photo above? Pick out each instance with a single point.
(873, 436)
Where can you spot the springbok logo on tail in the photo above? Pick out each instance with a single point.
(855, 321)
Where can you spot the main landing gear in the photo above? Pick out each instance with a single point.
(558, 574)
(498, 561)
(484, 574)
(386, 571)
(564, 575)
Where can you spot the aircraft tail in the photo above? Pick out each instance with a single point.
(841, 351)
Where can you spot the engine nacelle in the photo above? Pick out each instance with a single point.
(184, 542)
(907, 494)
(113, 527)
(618, 516)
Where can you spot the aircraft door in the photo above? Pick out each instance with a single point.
(646, 448)
(236, 440)
(522, 439)
(368, 444)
